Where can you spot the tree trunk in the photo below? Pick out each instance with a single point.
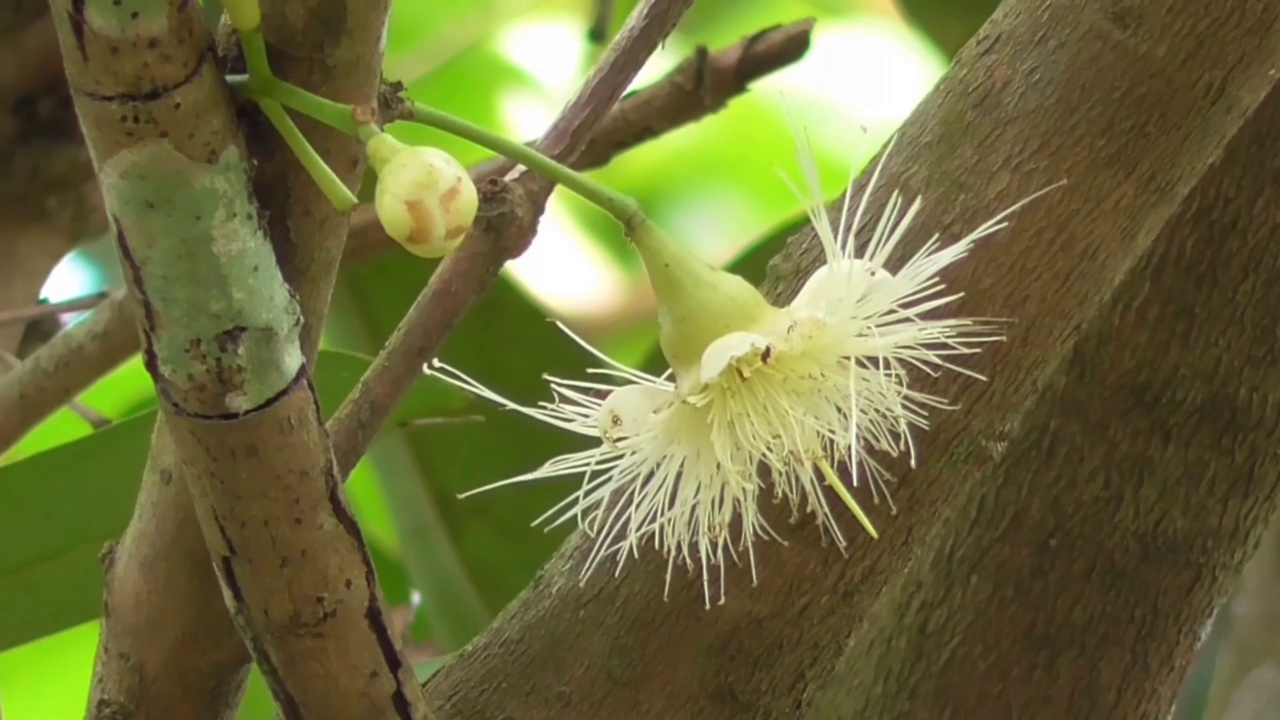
(1073, 525)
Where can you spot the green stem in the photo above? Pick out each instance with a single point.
(624, 209)
(255, 57)
(262, 84)
(332, 187)
(245, 15)
(366, 132)
(336, 115)
(273, 95)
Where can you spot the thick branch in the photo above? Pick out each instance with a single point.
(334, 49)
(1131, 108)
(1165, 406)
(135, 107)
(293, 565)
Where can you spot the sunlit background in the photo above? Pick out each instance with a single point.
(510, 65)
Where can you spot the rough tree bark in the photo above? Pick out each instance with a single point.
(1074, 524)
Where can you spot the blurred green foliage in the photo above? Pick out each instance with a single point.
(507, 65)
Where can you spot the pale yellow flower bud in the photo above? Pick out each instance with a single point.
(425, 198)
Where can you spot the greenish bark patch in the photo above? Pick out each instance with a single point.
(220, 315)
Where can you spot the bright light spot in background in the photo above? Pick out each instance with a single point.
(870, 74)
(551, 49)
(527, 113)
(704, 216)
(72, 278)
(878, 70)
(567, 270)
(867, 73)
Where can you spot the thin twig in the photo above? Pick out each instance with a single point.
(27, 314)
(504, 230)
(96, 420)
(644, 32)
(61, 369)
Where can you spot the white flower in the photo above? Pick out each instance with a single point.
(632, 493)
(793, 391)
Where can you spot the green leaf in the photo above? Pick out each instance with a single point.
(60, 509)
(49, 679)
(257, 703)
(63, 505)
(122, 393)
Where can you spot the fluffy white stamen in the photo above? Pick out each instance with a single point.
(824, 380)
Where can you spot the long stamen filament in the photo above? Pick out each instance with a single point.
(834, 481)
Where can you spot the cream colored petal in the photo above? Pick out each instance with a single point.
(842, 283)
(629, 410)
(737, 349)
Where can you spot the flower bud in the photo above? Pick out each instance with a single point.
(425, 198)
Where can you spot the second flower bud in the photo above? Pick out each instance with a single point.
(425, 199)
